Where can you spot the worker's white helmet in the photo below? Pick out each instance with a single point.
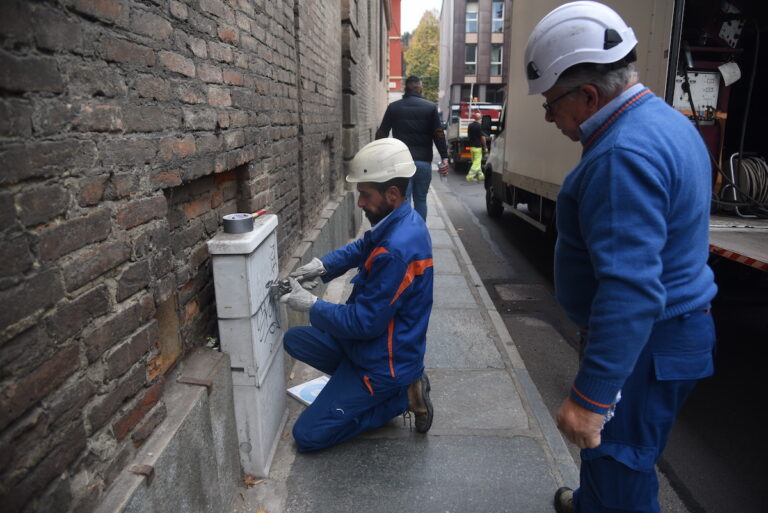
(575, 33)
(381, 161)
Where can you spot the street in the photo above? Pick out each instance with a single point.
(713, 462)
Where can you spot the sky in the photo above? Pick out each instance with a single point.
(411, 12)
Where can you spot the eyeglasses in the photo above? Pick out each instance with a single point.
(548, 105)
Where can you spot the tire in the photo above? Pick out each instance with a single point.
(493, 206)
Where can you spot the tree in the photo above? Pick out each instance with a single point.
(422, 57)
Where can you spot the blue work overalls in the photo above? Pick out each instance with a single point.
(619, 475)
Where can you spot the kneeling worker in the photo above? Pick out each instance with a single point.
(372, 346)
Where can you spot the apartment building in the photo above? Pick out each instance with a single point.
(472, 44)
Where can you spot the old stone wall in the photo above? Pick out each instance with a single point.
(127, 129)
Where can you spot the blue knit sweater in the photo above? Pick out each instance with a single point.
(632, 246)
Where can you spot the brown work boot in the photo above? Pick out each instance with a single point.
(564, 500)
(419, 403)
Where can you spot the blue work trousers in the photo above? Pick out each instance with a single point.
(619, 475)
(350, 403)
(418, 186)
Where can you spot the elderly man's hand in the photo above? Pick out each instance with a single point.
(579, 425)
(298, 298)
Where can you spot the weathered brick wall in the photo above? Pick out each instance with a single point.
(127, 129)
(365, 54)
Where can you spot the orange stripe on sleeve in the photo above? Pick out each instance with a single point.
(590, 401)
(416, 268)
(391, 331)
(376, 252)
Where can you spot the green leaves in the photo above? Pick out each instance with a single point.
(422, 57)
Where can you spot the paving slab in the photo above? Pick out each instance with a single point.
(454, 474)
(452, 291)
(461, 339)
(445, 261)
(476, 400)
(440, 239)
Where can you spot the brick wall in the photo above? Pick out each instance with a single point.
(127, 129)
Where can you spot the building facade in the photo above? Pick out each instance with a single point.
(472, 47)
(127, 130)
(396, 80)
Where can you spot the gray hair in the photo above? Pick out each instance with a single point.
(610, 82)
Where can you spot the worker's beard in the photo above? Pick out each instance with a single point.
(375, 217)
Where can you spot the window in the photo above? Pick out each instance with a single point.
(496, 60)
(470, 60)
(471, 27)
(494, 93)
(497, 17)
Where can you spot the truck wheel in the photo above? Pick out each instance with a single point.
(493, 206)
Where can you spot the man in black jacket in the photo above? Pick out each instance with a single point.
(415, 121)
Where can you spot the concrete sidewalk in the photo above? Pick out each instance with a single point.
(493, 446)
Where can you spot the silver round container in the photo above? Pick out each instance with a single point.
(238, 223)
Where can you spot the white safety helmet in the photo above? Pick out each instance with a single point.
(381, 161)
(575, 33)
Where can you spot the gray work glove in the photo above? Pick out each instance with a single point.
(298, 298)
(309, 275)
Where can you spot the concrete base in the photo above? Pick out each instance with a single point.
(193, 452)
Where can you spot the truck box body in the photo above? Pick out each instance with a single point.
(530, 158)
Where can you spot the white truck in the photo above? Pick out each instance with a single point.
(706, 43)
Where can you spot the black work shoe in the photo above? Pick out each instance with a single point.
(419, 403)
(564, 500)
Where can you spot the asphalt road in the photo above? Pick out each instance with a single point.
(714, 460)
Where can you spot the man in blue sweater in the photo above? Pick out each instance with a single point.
(372, 346)
(631, 256)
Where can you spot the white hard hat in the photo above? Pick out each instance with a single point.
(381, 161)
(575, 33)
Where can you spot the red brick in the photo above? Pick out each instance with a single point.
(134, 278)
(106, 10)
(99, 118)
(151, 25)
(141, 211)
(16, 255)
(114, 329)
(122, 427)
(219, 96)
(91, 191)
(209, 73)
(91, 263)
(234, 78)
(71, 317)
(43, 159)
(41, 204)
(165, 179)
(177, 63)
(197, 207)
(72, 443)
(39, 291)
(173, 147)
(30, 74)
(150, 86)
(24, 392)
(148, 425)
(228, 35)
(67, 236)
(120, 50)
(106, 405)
(131, 350)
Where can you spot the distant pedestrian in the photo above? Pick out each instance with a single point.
(477, 146)
(631, 255)
(415, 121)
(373, 346)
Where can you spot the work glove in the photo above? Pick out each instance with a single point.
(309, 275)
(298, 298)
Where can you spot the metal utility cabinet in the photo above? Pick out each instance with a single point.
(244, 267)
